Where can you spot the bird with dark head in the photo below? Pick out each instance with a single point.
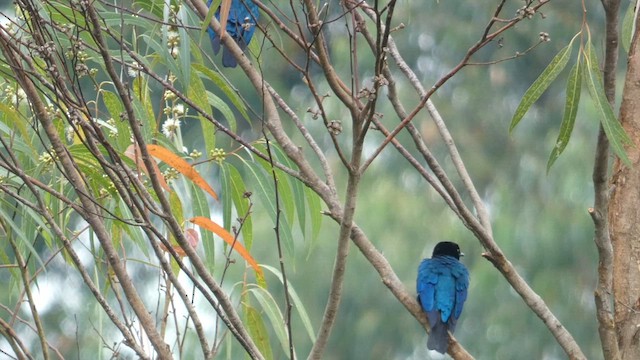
(442, 289)
(240, 25)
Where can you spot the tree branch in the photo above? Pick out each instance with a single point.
(600, 212)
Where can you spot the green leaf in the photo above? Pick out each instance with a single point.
(297, 188)
(207, 20)
(114, 106)
(15, 230)
(114, 20)
(258, 331)
(200, 207)
(285, 194)
(143, 106)
(267, 196)
(227, 202)
(198, 94)
(152, 6)
(618, 138)
(541, 84)
(134, 233)
(176, 207)
(238, 189)
(11, 117)
(161, 53)
(233, 193)
(226, 111)
(627, 26)
(574, 85)
(176, 210)
(269, 305)
(219, 82)
(185, 46)
(315, 212)
(299, 305)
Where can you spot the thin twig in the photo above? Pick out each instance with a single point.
(276, 229)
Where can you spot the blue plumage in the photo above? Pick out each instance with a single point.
(241, 25)
(442, 289)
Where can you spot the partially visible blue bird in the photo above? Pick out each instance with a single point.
(442, 289)
(241, 25)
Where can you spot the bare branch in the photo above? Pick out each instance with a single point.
(600, 212)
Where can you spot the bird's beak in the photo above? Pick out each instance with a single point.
(461, 254)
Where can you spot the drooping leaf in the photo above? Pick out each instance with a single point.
(198, 94)
(270, 306)
(241, 203)
(618, 138)
(114, 106)
(297, 187)
(627, 26)
(115, 20)
(227, 202)
(200, 207)
(219, 81)
(185, 52)
(133, 153)
(17, 232)
(297, 302)
(208, 224)
(12, 118)
(149, 5)
(315, 212)
(207, 20)
(541, 84)
(266, 194)
(258, 330)
(226, 111)
(285, 192)
(574, 85)
(181, 166)
(134, 234)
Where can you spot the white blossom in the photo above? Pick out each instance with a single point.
(170, 127)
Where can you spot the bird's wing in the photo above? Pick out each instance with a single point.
(426, 284)
(239, 15)
(436, 288)
(461, 276)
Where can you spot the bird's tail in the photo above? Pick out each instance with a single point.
(215, 40)
(228, 60)
(439, 337)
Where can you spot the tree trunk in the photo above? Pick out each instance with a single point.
(624, 216)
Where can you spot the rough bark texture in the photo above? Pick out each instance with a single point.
(624, 212)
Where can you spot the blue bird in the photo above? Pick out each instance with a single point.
(241, 25)
(442, 289)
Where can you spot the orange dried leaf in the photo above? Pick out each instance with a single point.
(177, 248)
(133, 153)
(225, 6)
(181, 166)
(208, 224)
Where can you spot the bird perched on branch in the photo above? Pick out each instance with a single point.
(241, 24)
(442, 289)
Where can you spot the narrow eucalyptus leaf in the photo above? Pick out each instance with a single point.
(574, 84)
(541, 84)
(614, 131)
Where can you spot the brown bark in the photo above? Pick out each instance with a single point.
(624, 212)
